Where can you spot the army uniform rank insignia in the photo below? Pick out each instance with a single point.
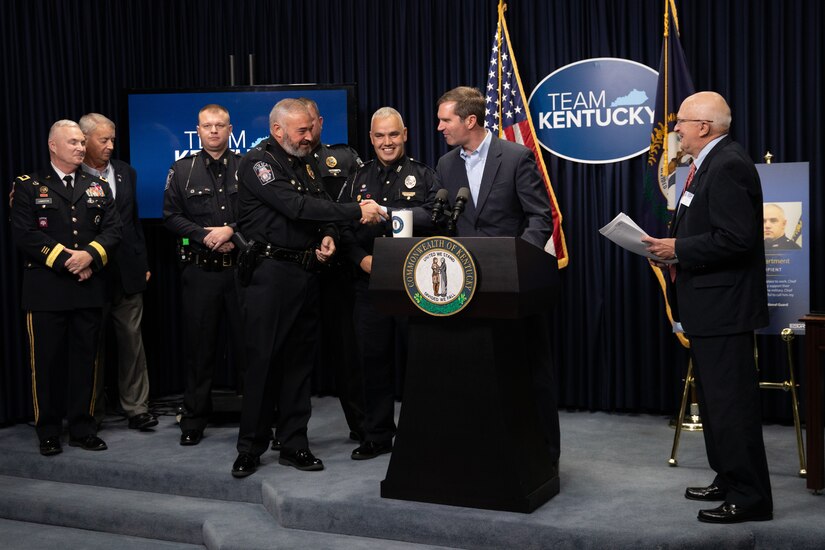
(409, 181)
(263, 172)
(332, 162)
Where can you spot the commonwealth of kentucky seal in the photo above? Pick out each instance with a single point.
(440, 276)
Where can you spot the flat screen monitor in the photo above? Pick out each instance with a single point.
(160, 126)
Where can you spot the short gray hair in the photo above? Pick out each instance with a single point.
(386, 112)
(89, 122)
(64, 123)
(288, 106)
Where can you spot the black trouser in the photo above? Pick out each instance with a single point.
(280, 315)
(338, 342)
(376, 353)
(730, 406)
(208, 298)
(63, 358)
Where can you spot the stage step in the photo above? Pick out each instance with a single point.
(22, 535)
(215, 524)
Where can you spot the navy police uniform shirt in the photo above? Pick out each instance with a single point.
(46, 220)
(336, 163)
(201, 192)
(406, 184)
(281, 200)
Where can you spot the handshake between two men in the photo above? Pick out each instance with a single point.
(371, 212)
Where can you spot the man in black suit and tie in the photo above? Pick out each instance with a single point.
(721, 298)
(508, 199)
(128, 275)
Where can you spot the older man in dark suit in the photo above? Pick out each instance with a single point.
(508, 199)
(128, 275)
(721, 297)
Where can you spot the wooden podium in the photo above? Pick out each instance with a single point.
(469, 433)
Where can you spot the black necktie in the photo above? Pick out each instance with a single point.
(69, 184)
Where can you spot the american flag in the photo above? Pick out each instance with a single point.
(509, 118)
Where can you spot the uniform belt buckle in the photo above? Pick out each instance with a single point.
(226, 260)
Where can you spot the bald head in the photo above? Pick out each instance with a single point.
(702, 117)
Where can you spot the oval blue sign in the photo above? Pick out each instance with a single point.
(595, 111)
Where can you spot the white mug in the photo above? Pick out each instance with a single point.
(402, 223)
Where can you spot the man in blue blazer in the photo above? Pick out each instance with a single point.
(508, 199)
(721, 298)
(129, 273)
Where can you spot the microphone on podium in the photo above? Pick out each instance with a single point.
(440, 204)
(461, 199)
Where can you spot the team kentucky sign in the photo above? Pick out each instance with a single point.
(595, 111)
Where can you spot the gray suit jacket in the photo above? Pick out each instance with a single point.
(512, 200)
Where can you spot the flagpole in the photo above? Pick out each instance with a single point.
(501, 7)
(666, 164)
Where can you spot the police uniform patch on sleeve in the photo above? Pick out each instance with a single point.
(169, 177)
(264, 172)
(409, 181)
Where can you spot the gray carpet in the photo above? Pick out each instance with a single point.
(146, 491)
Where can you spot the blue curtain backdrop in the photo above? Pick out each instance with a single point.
(610, 339)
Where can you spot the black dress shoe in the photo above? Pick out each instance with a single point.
(277, 445)
(371, 449)
(50, 446)
(711, 492)
(245, 465)
(142, 422)
(89, 443)
(730, 513)
(302, 459)
(191, 437)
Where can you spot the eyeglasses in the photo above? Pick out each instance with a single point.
(683, 120)
(208, 127)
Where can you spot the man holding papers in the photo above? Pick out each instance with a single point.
(720, 298)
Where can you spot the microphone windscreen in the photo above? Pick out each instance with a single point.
(463, 194)
(441, 195)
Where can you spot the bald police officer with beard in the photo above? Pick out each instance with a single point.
(291, 222)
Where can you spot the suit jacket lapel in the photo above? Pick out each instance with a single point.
(698, 179)
(53, 182)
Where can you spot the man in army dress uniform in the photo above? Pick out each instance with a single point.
(395, 181)
(200, 207)
(65, 224)
(335, 164)
(290, 221)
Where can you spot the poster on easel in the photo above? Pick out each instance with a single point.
(785, 191)
(785, 195)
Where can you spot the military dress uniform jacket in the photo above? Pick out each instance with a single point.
(46, 220)
(281, 200)
(407, 184)
(336, 163)
(194, 198)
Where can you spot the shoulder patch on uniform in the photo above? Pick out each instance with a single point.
(169, 177)
(264, 172)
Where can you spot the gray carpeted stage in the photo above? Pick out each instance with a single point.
(146, 491)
